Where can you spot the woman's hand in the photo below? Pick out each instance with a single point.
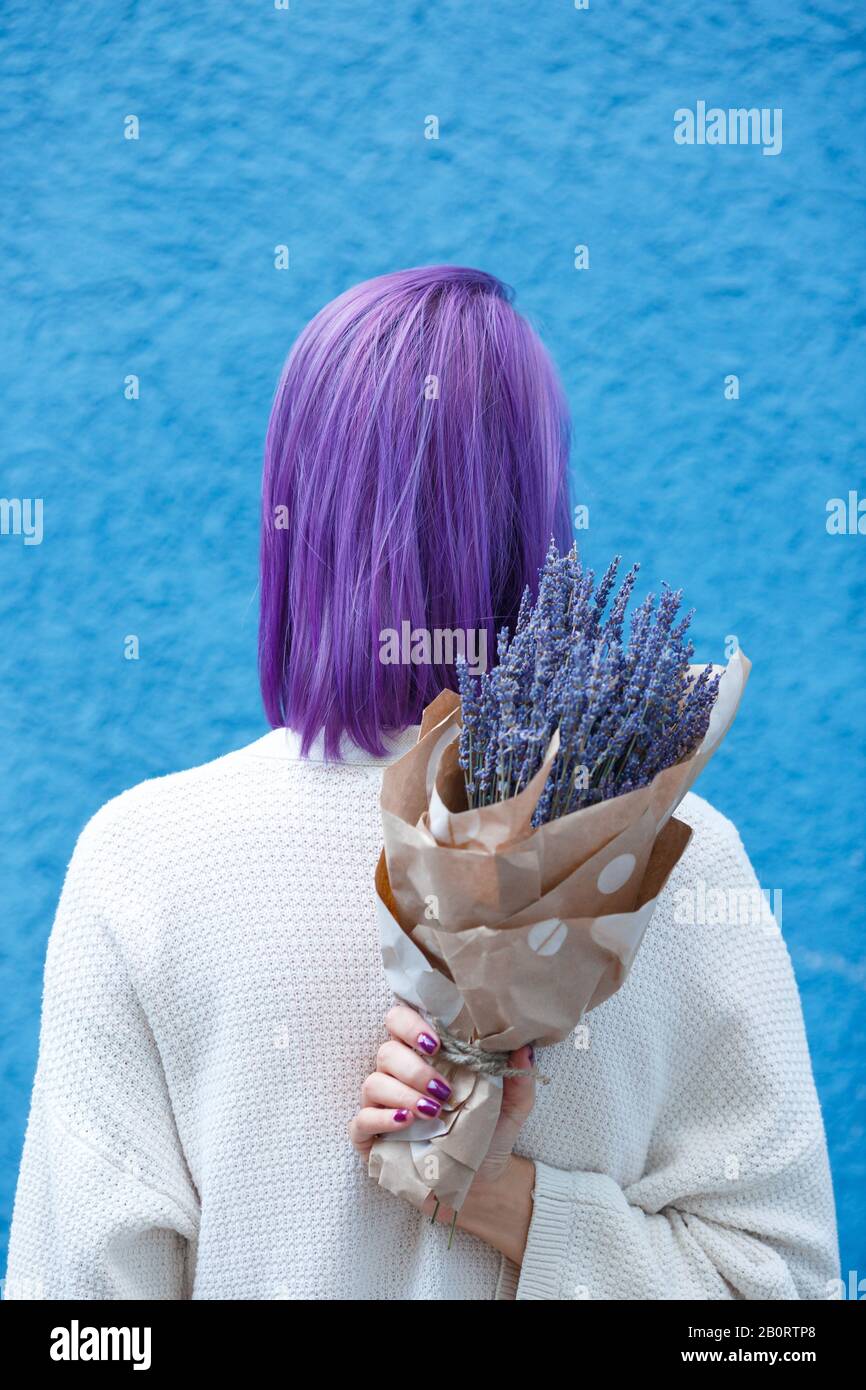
(406, 1085)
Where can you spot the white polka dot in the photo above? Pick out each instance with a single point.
(616, 873)
(545, 938)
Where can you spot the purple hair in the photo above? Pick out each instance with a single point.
(415, 469)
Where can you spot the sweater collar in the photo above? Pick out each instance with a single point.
(286, 743)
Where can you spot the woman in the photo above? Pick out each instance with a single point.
(215, 1011)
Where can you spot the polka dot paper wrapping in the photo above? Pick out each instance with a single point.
(510, 934)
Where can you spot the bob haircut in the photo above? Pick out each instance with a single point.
(416, 467)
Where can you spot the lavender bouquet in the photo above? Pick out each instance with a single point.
(527, 837)
(625, 710)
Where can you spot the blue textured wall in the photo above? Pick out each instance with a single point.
(155, 257)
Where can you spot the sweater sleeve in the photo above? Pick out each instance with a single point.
(735, 1200)
(105, 1207)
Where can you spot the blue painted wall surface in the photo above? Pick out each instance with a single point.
(155, 257)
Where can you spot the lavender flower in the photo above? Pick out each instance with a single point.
(625, 709)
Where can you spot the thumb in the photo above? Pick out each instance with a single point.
(518, 1097)
(518, 1092)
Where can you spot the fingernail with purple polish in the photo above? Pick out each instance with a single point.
(427, 1043)
(532, 1056)
(428, 1107)
(401, 1116)
(438, 1089)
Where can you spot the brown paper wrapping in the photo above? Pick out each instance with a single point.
(506, 934)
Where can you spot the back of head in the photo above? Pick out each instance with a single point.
(415, 470)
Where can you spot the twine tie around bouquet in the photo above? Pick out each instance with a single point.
(478, 1059)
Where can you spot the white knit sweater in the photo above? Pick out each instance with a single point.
(214, 996)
